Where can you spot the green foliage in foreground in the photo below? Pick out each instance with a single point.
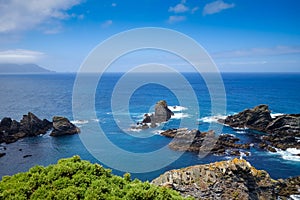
(74, 178)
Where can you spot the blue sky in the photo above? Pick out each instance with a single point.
(240, 35)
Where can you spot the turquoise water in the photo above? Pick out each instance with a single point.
(49, 95)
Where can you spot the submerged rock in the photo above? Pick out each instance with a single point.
(62, 126)
(233, 179)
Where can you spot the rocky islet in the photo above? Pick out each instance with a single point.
(30, 125)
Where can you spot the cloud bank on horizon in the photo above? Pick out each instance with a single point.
(239, 35)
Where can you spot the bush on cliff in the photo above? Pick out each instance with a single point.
(74, 178)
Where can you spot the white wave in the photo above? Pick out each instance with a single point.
(135, 129)
(289, 154)
(273, 115)
(96, 120)
(177, 108)
(180, 115)
(79, 122)
(212, 118)
(157, 132)
(295, 197)
(241, 129)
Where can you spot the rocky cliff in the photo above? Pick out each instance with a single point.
(233, 179)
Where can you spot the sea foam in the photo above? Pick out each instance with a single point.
(289, 154)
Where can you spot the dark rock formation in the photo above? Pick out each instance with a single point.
(2, 154)
(282, 130)
(196, 141)
(162, 114)
(30, 125)
(234, 179)
(257, 118)
(62, 126)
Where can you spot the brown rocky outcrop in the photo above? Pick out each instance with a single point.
(233, 179)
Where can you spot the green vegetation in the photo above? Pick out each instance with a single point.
(74, 178)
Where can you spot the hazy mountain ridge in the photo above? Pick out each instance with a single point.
(9, 68)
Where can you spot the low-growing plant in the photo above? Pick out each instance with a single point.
(74, 178)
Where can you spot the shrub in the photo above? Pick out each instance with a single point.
(74, 178)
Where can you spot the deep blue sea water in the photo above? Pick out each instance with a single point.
(52, 94)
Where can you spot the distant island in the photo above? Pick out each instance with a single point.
(9, 68)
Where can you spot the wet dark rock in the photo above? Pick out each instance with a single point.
(29, 126)
(62, 126)
(33, 126)
(162, 114)
(282, 131)
(257, 118)
(26, 156)
(2, 154)
(208, 142)
(233, 179)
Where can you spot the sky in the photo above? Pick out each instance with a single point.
(239, 35)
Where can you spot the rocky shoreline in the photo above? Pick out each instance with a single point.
(280, 132)
(30, 125)
(233, 179)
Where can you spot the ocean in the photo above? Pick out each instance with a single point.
(109, 109)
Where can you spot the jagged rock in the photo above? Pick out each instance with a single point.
(162, 112)
(257, 118)
(194, 140)
(33, 126)
(62, 126)
(282, 130)
(30, 125)
(233, 179)
(147, 119)
(2, 154)
(285, 125)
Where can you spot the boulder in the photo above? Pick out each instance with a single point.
(62, 126)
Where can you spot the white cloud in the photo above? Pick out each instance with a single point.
(20, 56)
(216, 6)
(179, 8)
(107, 23)
(174, 19)
(273, 51)
(194, 10)
(18, 15)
